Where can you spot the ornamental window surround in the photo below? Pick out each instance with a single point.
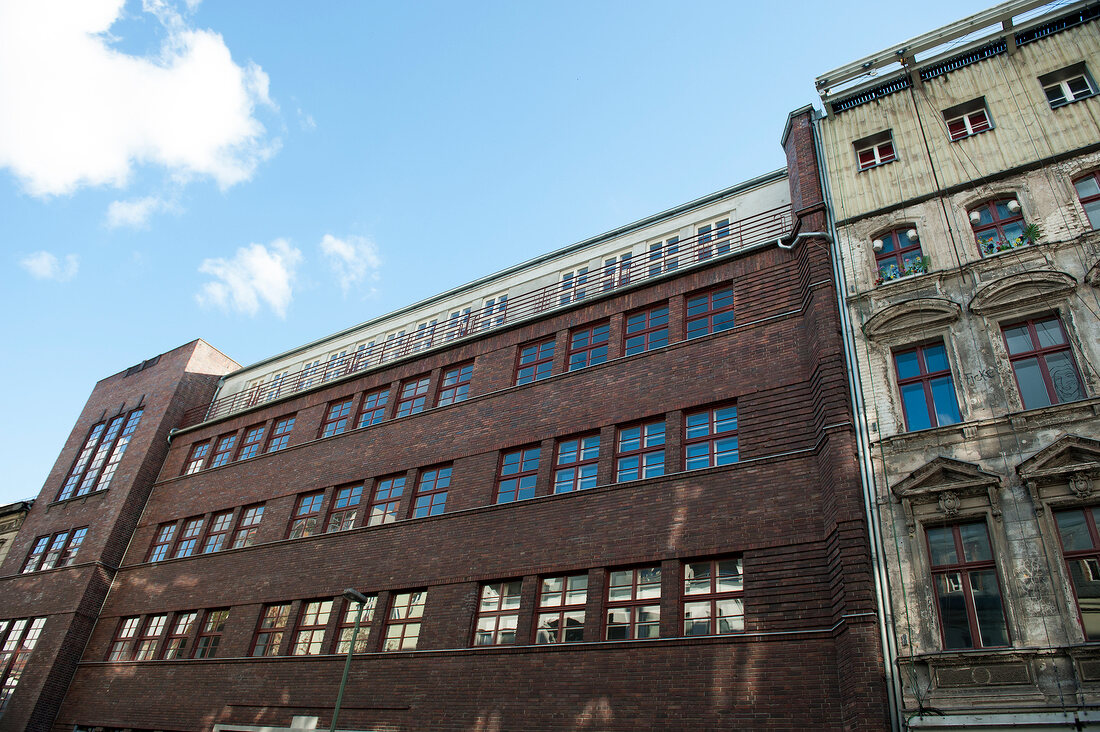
(898, 254)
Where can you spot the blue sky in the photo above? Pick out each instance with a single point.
(260, 174)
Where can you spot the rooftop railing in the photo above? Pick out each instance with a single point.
(583, 284)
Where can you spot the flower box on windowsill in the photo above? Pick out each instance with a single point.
(910, 268)
(996, 246)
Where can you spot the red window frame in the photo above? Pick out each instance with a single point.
(272, 626)
(534, 362)
(576, 462)
(336, 417)
(413, 396)
(1081, 550)
(997, 225)
(713, 593)
(640, 451)
(217, 532)
(1055, 383)
(122, 643)
(347, 626)
(1090, 201)
(250, 445)
(18, 637)
(162, 542)
(431, 491)
(102, 451)
(196, 458)
(188, 540)
(633, 610)
(52, 552)
(145, 646)
(964, 569)
(707, 437)
(404, 619)
(248, 523)
(498, 613)
(210, 633)
(175, 643)
(561, 606)
(307, 510)
(223, 450)
(280, 433)
(517, 474)
(645, 330)
(968, 124)
(72, 547)
(588, 346)
(373, 409)
(36, 554)
(877, 154)
(709, 312)
(119, 449)
(935, 412)
(898, 252)
(309, 631)
(455, 386)
(345, 507)
(386, 499)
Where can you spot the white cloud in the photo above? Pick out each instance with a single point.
(256, 273)
(353, 259)
(75, 111)
(306, 121)
(135, 213)
(45, 266)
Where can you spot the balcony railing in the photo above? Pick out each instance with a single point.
(720, 241)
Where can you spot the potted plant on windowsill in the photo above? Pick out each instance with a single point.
(909, 267)
(1030, 235)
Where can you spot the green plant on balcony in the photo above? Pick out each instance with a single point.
(1031, 234)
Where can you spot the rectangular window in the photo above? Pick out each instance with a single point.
(431, 491)
(197, 458)
(118, 451)
(713, 597)
(82, 460)
(498, 614)
(561, 609)
(576, 463)
(588, 346)
(307, 515)
(373, 410)
(710, 438)
(640, 452)
(968, 594)
(403, 624)
(17, 639)
(456, 384)
(413, 396)
(709, 312)
(714, 239)
(1046, 372)
(218, 532)
(223, 450)
(146, 648)
(60, 550)
(248, 524)
(875, 150)
(253, 436)
(280, 434)
(969, 118)
(176, 644)
(310, 634)
(188, 538)
(336, 418)
(210, 635)
(927, 390)
(98, 460)
(162, 541)
(664, 256)
(573, 286)
(69, 553)
(269, 633)
(122, 647)
(634, 604)
(536, 361)
(615, 271)
(34, 557)
(57, 545)
(518, 474)
(646, 330)
(1088, 190)
(345, 508)
(387, 497)
(347, 625)
(1070, 84)
(1081, 549)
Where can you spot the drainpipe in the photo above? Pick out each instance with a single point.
(866, 469)
(804, 235)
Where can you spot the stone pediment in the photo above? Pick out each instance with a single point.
(1067, 459)
(949, 484)
(1020, 290)
(911, 315)
(1093, 276)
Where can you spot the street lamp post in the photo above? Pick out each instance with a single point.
(351, 595)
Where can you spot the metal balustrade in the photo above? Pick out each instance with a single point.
(771, 224)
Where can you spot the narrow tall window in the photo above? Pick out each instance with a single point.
(456, 384)
(189, 538)
(1077, 529)
(664, 256)
(387, 497)
(536, 361)
(146, 648)
(403, 623)
(218, 532)
(899, 256)
(709, 312)
(576, 463)
(1042, 362)
(345, 507)
(17, 639)
(927, 390)
(498, 614)
(588, 346)
(413, 396)
(710, 438)
(640, 452)
(714, 239)
(162, 541)
(518, 474)
(34, 557)
(91, 476)
(250, 446)
(998, 226)
(82, 460)
(336, 418)
(69, 553)
(1088, 190)
(373, 410)
(210, 634)
(561, 609)
(280, 434)
(57, 545)
(269, 633)
(431, 491)
(646, 330)
(306, 517)
(122, 647)
(634, 604)
(176, 644)
(347, 626)
(197, 458)
(119, 450)
(968, 593)
(248, 525)
(573, 286)
(713, 603)
(223, 450)
(310, 634)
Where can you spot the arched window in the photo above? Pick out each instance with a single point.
(998, 225)
(1088, 190)
(898, 254)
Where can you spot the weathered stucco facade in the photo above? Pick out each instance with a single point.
(937, 173)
